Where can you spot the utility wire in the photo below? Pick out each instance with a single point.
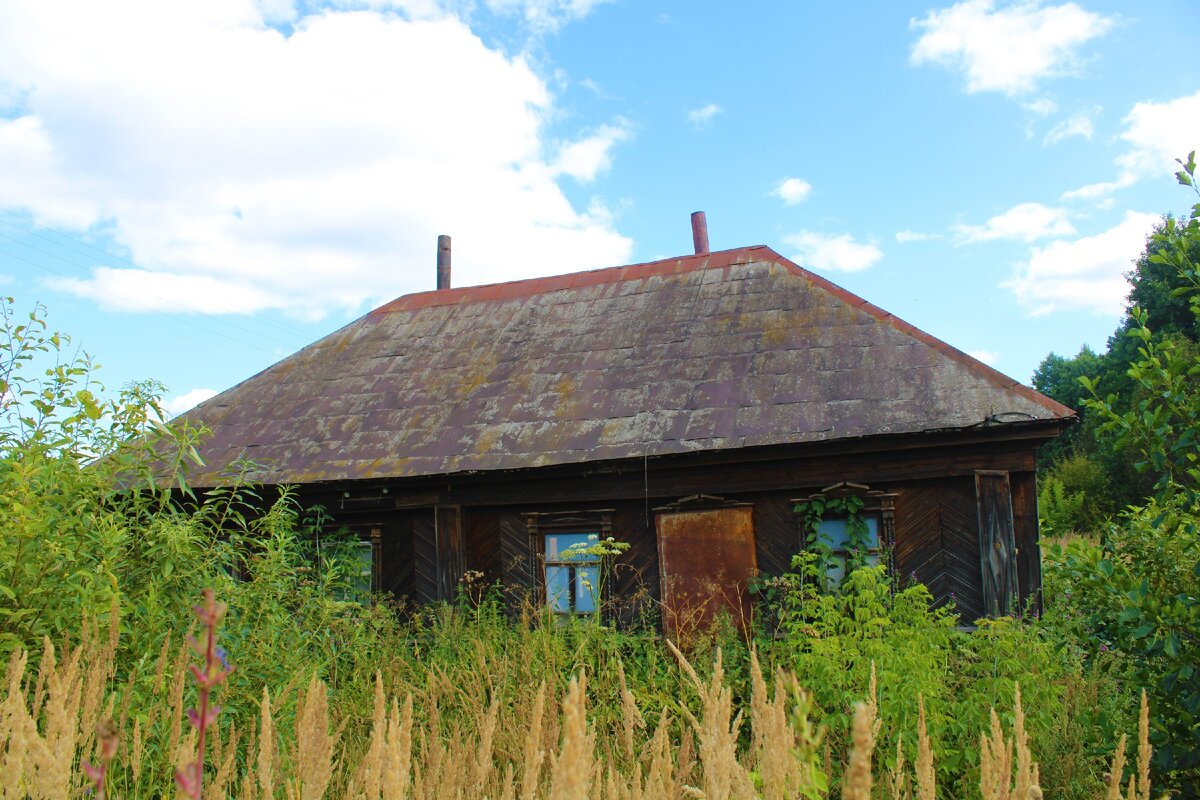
(176, 317)
(303, 336)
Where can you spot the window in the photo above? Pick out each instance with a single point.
(834, 534)
(572, 574)
(356, 549)
(362, 573)
(825, 528)
(570, 578)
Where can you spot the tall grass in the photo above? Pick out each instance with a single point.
(429, 733)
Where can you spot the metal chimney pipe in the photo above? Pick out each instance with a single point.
(699, 232)
(443, 262)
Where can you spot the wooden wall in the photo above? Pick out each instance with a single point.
(936, 542)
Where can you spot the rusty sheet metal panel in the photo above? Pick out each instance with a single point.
(706, 559)
(997, 543)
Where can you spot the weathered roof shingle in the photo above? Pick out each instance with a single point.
(706, 352)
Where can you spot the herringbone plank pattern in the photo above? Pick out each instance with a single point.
(937, 542)
(517, 562)
(424, 558)
(776, 534)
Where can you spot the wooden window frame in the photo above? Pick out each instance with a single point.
(541, 523)
(876, 503)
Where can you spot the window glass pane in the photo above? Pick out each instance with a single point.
(835, 572)
(558, 546)
(873, 532)
(833, 533)
(587, 587)
(558, 589)
(358, 556)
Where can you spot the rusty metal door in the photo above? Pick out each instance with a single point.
(706, 559)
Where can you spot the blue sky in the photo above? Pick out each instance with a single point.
(195, 190)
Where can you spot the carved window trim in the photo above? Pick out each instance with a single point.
(876, 503)
(539, 524)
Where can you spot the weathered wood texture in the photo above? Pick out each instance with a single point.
(451, 549)
(776, 532)
(936, 538)
(997, 543)
(424, 558)
(393, 572)
(634, 588)
(883, 460)
(1029, 548)
(517, 558)
(937, 542)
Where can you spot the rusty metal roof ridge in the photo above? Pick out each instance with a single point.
(528, 287)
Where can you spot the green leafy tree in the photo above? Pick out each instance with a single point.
(1138, 590)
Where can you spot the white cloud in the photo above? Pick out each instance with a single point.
(545, 15)
(307, 173)
(1086, 273)
(792, 190)
(588, 157)
(1157, 134)
(903, 237)
(835, 252)
(1026, 222)
(1009, 49)
(986, 356)
(699, 117)
(1043, 106)
(1078, 125)
(180, 403)
(143, 290)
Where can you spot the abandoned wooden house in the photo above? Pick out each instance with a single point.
(683, 406)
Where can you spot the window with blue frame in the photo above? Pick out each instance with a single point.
(572, 576)
(835, 534)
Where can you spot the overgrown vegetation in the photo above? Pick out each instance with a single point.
(1134, 588)
(861, 691)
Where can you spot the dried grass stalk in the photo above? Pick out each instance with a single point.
(572, 771)
(926, 777)
(856, 782)
(313, 753)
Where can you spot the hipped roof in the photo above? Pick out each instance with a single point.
(707, 352)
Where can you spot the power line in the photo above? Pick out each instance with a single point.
(304, 336)
(176, 317)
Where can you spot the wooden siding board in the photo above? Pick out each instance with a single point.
(517, 559)
(937, 542)
(634, 588)
(776, 533)
(1029, 549)
(450, 550)
(424, 558)
(997, 543)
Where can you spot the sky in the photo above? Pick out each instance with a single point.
(195, 190)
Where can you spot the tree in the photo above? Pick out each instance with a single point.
(1138, 589)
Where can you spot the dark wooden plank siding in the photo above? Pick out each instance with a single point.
(516, 558)
(1029, 549)
(937, 542)
(634, 591)
(482, 527)
(450, 550)
(424, 557)
(997, 542)
(396, 558)
(776, 532)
